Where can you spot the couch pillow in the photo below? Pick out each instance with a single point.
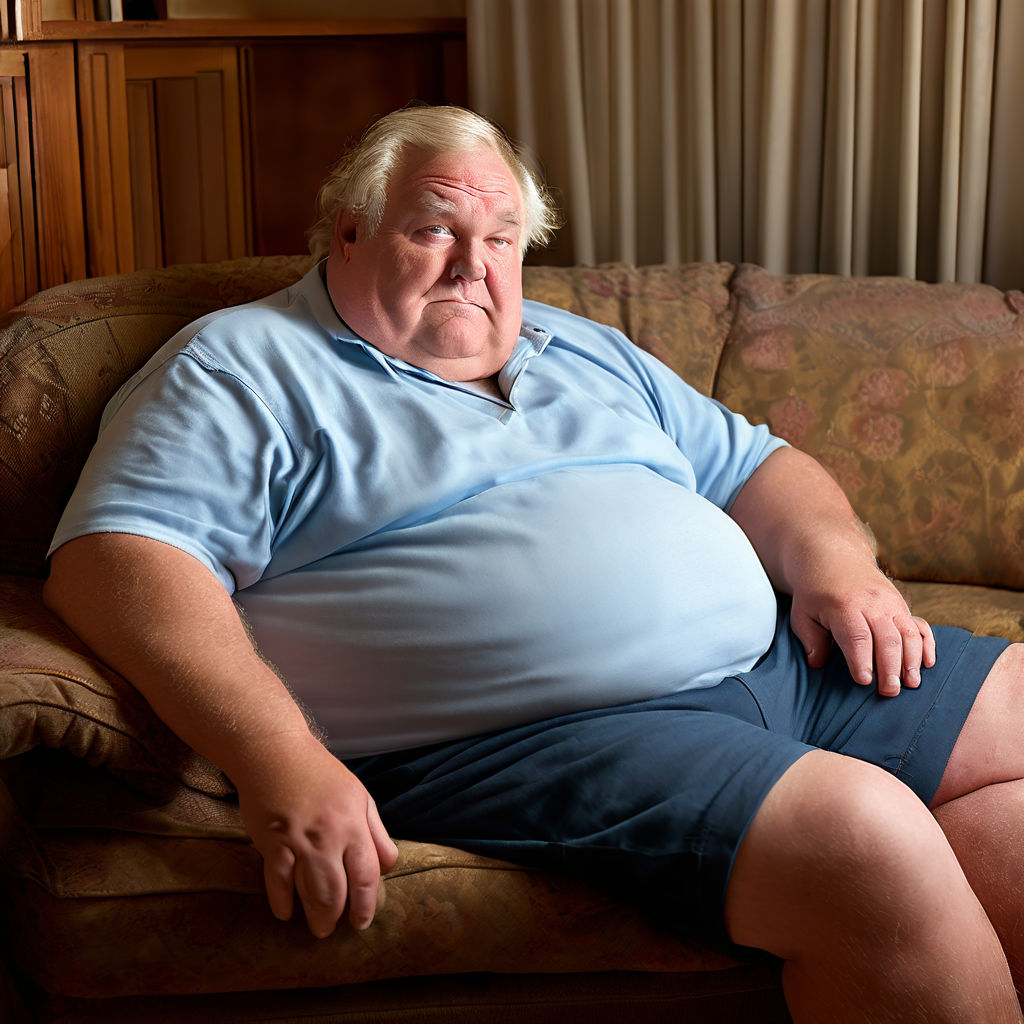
(62, 355)
(679, 314)
(911, 394)
(54, 693)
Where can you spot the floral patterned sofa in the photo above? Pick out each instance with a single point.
(129, 891)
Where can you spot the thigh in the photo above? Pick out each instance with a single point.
(989, 749)
(911, 735)
(836, 841)
(648, 801)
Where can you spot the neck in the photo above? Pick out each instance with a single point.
(487, 385)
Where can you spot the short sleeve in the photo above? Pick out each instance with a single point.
(723, 447)
(188, 455)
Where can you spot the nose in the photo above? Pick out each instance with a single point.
(467, 260)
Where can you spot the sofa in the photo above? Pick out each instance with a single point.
(129, 891)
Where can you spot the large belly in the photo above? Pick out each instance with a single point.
(581, 588)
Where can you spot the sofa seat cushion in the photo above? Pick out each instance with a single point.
(117, 911)
(987, 611)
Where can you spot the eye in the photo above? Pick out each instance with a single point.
(501, 243)
(438, 230)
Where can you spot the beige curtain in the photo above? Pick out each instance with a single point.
(840, 136)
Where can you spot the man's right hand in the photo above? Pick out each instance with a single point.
(318, 832)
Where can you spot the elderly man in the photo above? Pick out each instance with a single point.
(549, 603)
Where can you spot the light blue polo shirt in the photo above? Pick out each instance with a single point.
(422, 561)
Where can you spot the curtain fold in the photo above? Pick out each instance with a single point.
(836, 136)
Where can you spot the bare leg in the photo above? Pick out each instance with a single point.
(980, 804)
(847, 877)
(986, 831)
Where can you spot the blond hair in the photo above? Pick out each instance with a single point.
(359, 182)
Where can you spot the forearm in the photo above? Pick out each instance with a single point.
(799, 521)
(813, 546)
(161, 619)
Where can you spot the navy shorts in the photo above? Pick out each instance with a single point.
(651, 800)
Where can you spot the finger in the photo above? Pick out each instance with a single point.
(362, 868)
(815, 639)
(913, 653)
(279, 879)
(854, 638)
(927, 642)
(387, 851)
(322, 888)
(888, 659)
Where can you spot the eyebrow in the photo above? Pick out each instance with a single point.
(431, 202)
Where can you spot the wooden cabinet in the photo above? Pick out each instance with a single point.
(18, 259)
(41, 219)
(137, 144)
(165, 164)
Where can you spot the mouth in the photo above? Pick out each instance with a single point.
(455, 301)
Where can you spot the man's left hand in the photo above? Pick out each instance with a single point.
(813, 546)
(870, 621)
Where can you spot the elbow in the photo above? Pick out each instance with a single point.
(54, 589)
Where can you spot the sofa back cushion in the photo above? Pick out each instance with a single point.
(680, 314)
(64, 353)
(911, 394)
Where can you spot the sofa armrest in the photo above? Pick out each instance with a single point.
(55, 693)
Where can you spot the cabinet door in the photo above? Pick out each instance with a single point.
(167, 178)
(56, 167)
(106, 161)
(19, 270)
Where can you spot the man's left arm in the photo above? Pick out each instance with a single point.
(813, 546)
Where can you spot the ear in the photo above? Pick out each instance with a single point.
(345, 231)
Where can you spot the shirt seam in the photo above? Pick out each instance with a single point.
(204, 359)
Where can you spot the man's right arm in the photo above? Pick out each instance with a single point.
(158, 617)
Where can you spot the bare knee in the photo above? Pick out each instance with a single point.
(839, 848)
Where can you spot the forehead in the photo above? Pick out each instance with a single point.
(478, 178)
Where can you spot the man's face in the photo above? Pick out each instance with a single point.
(440, 282)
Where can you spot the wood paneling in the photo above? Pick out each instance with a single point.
(19, 270)
(193, 150)
(147, 223)
(103, 115)
(310, 98)
(25, 18)
(167, 173)
(56, 166)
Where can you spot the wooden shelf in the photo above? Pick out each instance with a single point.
(240, 28)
